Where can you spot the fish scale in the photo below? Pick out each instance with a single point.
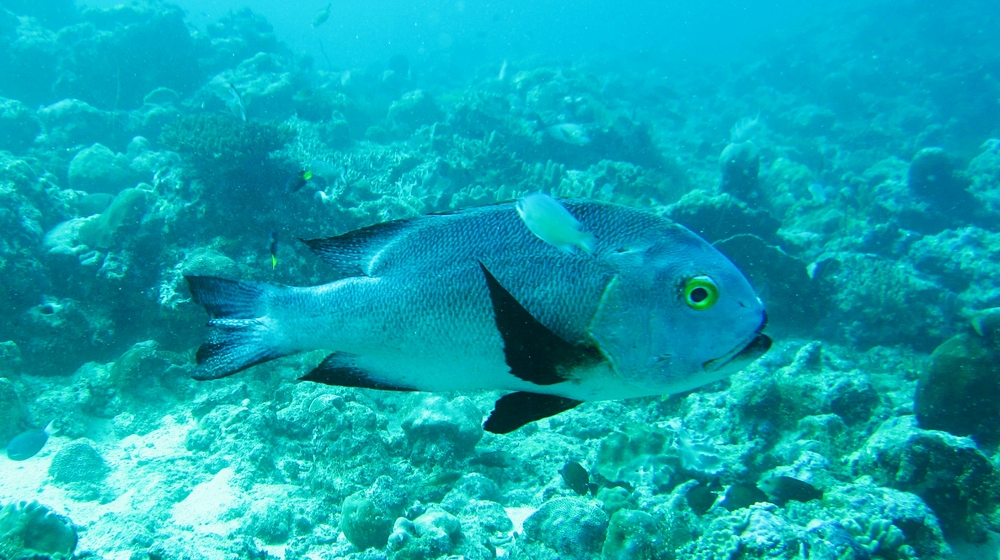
(473, 300)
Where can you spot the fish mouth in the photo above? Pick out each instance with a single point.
(755, 346)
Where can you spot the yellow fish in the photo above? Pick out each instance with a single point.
(321, 16)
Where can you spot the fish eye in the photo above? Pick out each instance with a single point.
(700, 293)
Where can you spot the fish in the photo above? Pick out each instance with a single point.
(495, 459)
(702, 497)
(235, 102)
(298, 180)
(471, 300)
(783, 489)
(27, 444)
(739, 496)
(576, 477)
(443, 478)
(274, 249)
(986, 323)
(570, 133)
(602, 482)
(321, 16)
(553, 224)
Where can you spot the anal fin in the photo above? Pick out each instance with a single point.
(517, 409)
(339, 369)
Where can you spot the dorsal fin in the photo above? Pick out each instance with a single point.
(350, 254)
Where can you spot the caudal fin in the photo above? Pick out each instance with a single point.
(239, 335)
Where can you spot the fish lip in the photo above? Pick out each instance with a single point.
(755, 346)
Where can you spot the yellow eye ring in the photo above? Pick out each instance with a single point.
(700, 293)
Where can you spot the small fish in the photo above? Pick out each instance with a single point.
(28, 444)
(744, 129)
(986, 323)
(702, 497)
(443, 478)
(576, 477)
(603, 482)
(235, 102)
(656, 310)
(321, 16)
(503, 71)
(739, 496)
(274, 249)
(570, 133)
(298, 180)
(552, 223)
(782, 489)
(495, 459)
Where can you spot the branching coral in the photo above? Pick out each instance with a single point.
(224, 149)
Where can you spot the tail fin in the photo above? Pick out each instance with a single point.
(239, 335)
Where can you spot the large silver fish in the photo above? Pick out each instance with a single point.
(473, 300)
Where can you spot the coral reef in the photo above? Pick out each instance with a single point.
(957, 391)
(223, 149)
(31, 530)
(864, 213)
(950, 474)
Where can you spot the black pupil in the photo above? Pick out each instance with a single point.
(699, 295)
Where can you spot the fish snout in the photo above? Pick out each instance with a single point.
(753, 347)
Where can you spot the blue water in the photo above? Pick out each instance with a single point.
(844, 156)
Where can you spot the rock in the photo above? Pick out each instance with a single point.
(367, 516)
(873, 515)
(959, 389)
(793, 298)
(631, 535)
(469, 488)
(962, 260)
(18, 126)
(437, 420)
(125, 213)
(413, 110)
(636, 454)
(883, 302)
(935, 178)
(269, 520)
(10, 359)
(208, 262)
(717, 217)
(30, 53)
(31, 530)
(486, 516)
(949, 473)
(123, 52)
(71, 122)
(10, 410)
(439, 526)
(99, 170)
(570, 526)
(78, 462)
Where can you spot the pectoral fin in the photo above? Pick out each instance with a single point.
(517, 409)
(532, 351)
